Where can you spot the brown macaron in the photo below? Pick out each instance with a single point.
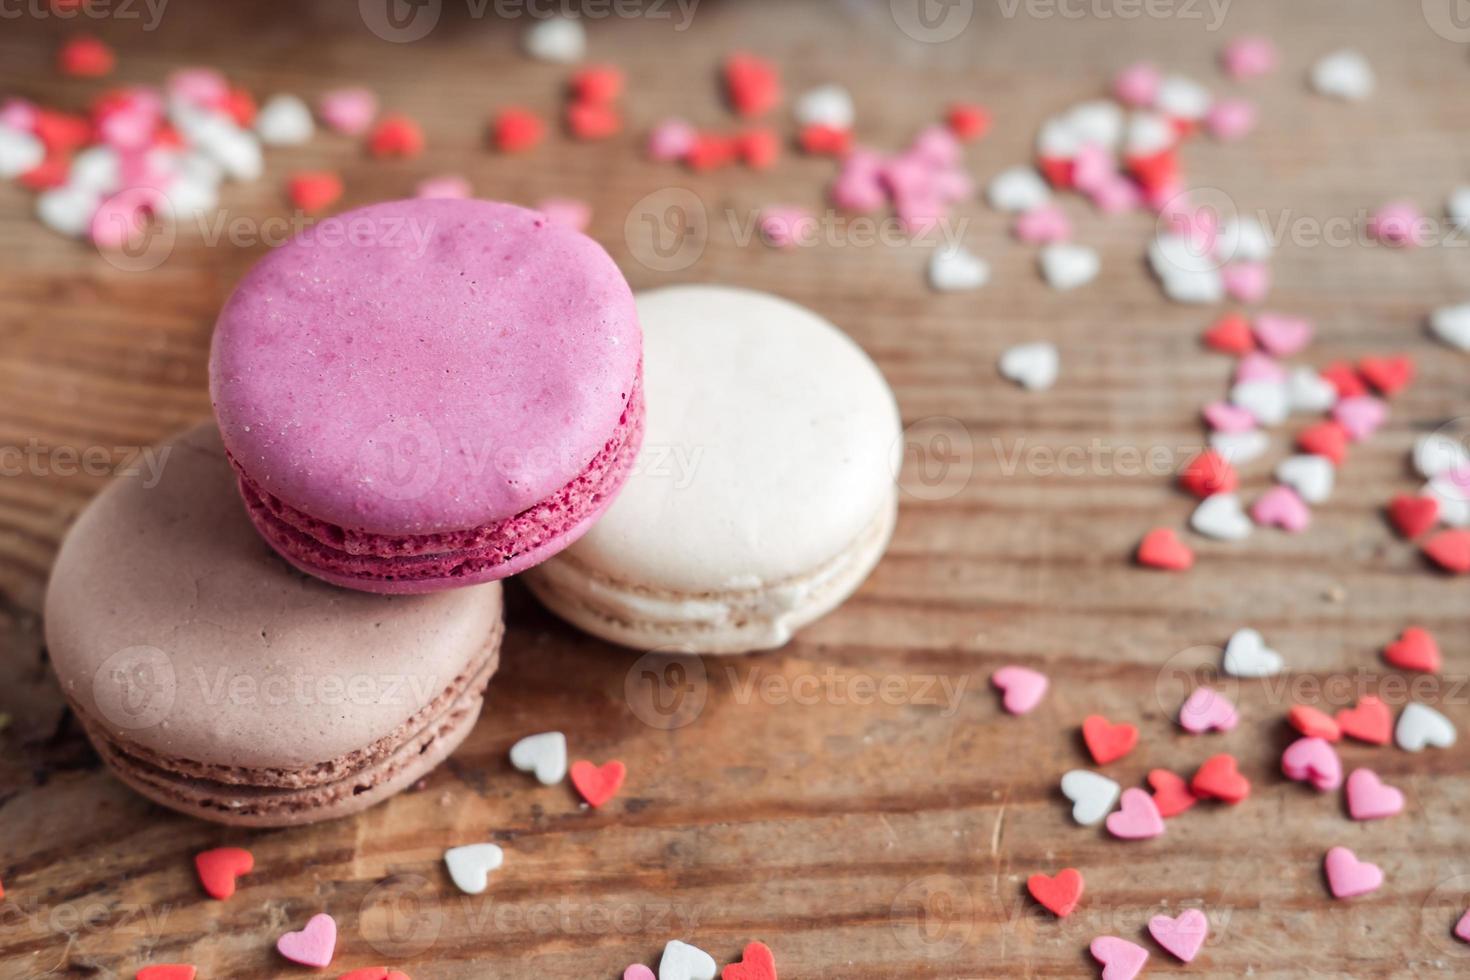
(217, 680)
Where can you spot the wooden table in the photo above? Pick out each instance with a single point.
(861, 834)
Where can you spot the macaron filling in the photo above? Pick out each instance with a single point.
(502, 546)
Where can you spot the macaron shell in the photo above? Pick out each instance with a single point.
(424, 366)
(174, 629)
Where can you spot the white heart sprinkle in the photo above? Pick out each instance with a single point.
(1438, 453)
(1067, 266)
(561, 40)
(236, 150)
(1148, 133)
(1453, 500)
(284, 120)
(1182, 98)
(1420, 725)
(825, 105)
(19, 152)
(1268, 401)
(1458, 206)
(682, 961)
(544, 754)
(1242, 240)
(1343, 75)
(1200, 288)
(96, 169)
(1451, 324)
(1309, 392)
(470, 866)
(1017, 190)
(1057, 139)
(1240, 448)
(1097, 123)
(67, 210)
(1175, 254)
(1092, 794)
(1222, 517)
(1032, 366)
(1246, 655)
(952, 268)
(1311, 476)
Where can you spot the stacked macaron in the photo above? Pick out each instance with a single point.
(413, 401)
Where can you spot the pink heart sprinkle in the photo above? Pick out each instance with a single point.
(18, 114)
(313, 945)
(1139, 817)
(1369, 798)
(783, 227)
(1137, 85)
(1312, 760)
(1230, 119)
(1121, 959)
(199, 86)
(1256, 366)
(1347, 876)
(938, 147)
(348, 110)
(1360, 416)
(567, 212)
(1181, 936)
(1092, 167)
(1043, 226)
(1399, 225)
(1225, 417)
(1116, 195)
(1248, 282)
(128, 129)
(1282, 335)
(1462, 928)
(671, 140)
(448, 186)
(1024, 688)
(638, 972)
(1282, 507)
(858, 187)
(1206, 709)
(1249, 57)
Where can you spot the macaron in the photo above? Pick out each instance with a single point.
(426, 394)
(216, 679)
(765, 491)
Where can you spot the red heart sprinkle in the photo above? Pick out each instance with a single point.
(1324, 439)
(1058, 172)
(1313, 723)
(1415, 649)
(1450, 550)
(50, 172)
(969, 122)
(1171, 793)
(61, 131)
(219, 868)
(710, 152)
(752, 84)
(1370, 721)
(85, 57)
(591, 121)
(824, 141)
(1208, 474)
(759, 148)
(1108, 742)
(374, 973)
(516, 130)
(1231, 334)
(1411, 516)
(240, 105)
(1155, 171)
(167, 971)
(598, 84)
(1389, 375)
(1161, 548)
(1345, 379)
(314, 192)
(1060, 894)
(598, 784)
(396, 136)
(756, 963)
(1220, 779)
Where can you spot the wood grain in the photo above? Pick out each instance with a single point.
(860, 840)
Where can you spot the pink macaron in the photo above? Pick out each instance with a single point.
(426, 394)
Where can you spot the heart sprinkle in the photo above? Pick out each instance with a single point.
(470, 866)
(1180, 936)
(1246, 655)
(1369, 721)
(1139, 818)
(1282, 507)
(598, 784)
(1450, 550)
(1220, 779)
(638, 972)
(1022, 687)
(1411, 516)
(1032, 366)
(167, 971)
(1059, 894)
(1207, 474)
(545, 755)
(1312, 760)
(1313, 723)
(1172, 795)
(1207, 710)
(1415, 649)
(313, 945)
(1221, 517)
(1348, 877)
(1161, 548)
(1106, 741)
(682, 961)
(757, 962)
(1369, 798)
(1120, 959)
(1092, 795)
(219, 868)
(1421, 726)
(374, 973)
